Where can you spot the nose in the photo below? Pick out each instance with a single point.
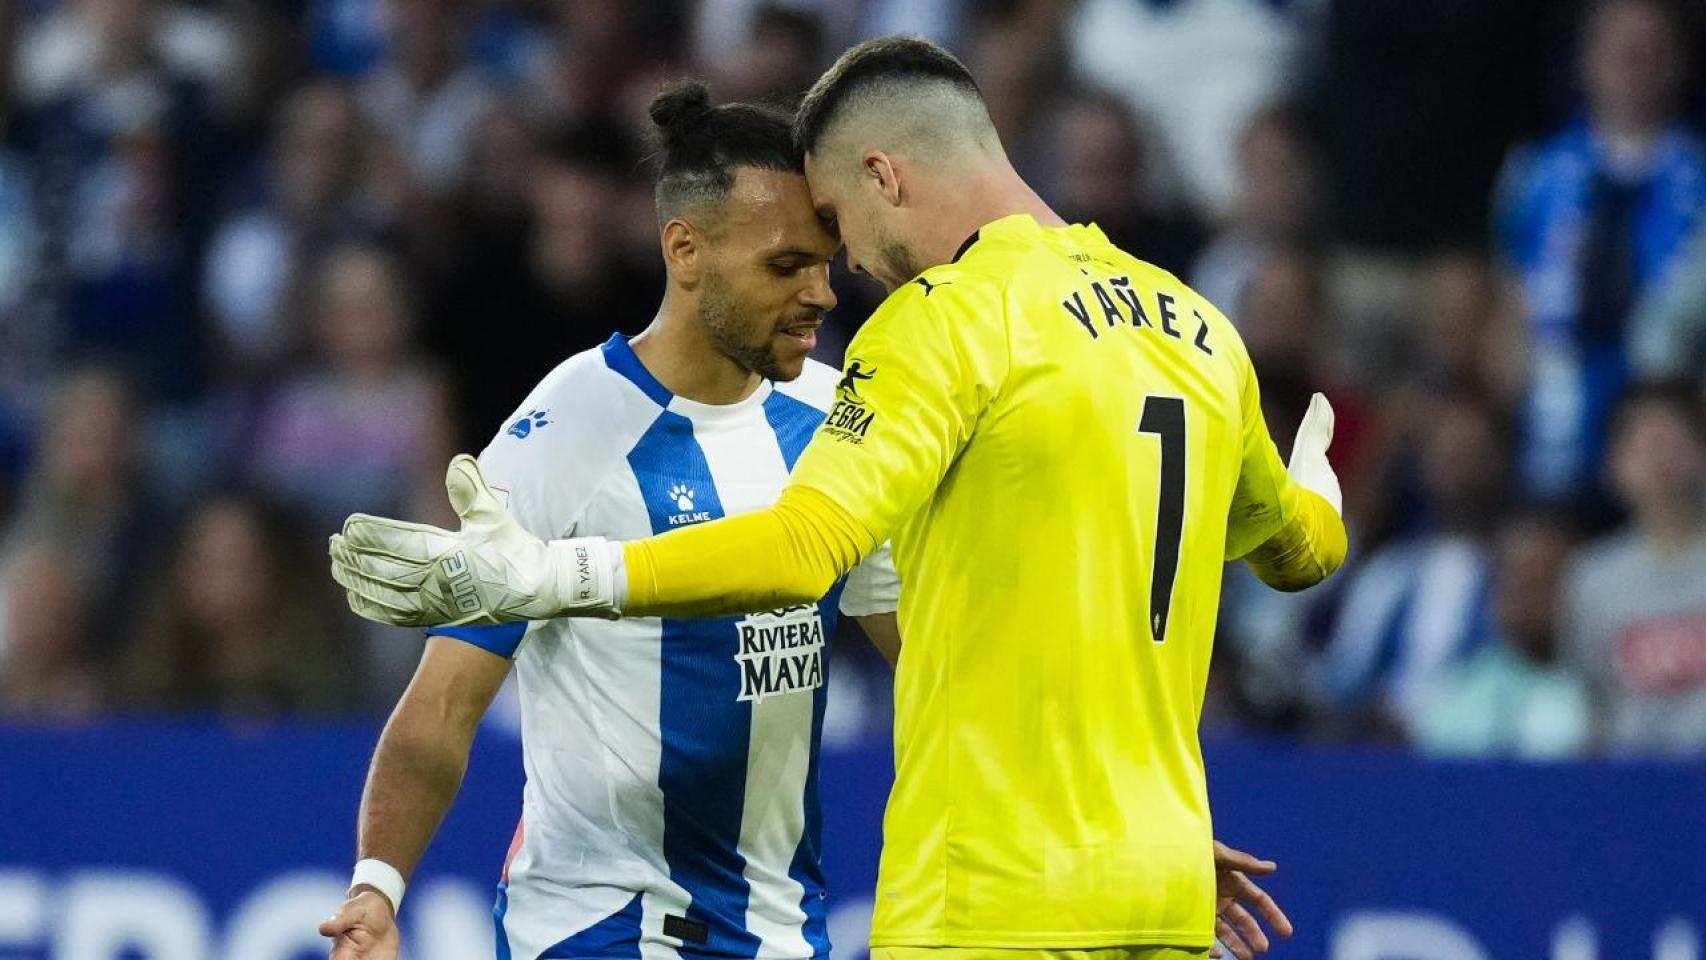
(817, 292)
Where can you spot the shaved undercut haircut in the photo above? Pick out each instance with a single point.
(702, 145)
(903, 92)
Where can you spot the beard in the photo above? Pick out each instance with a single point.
(899, 263)
(722, 320)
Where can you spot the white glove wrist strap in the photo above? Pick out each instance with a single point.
(588, 570)
(380, 876)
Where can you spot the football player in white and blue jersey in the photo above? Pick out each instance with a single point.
(671, 804)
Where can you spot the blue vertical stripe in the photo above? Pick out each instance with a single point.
(705, 727)
(794, 422)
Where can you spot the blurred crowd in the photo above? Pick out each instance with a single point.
(267, 262)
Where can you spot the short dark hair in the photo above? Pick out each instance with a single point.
(870, 63)
(703, 144)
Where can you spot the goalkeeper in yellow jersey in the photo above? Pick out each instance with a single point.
(1064, 445)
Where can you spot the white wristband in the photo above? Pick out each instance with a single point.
(592, 579)
(382, 877)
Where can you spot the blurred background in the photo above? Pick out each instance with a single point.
(267, 262)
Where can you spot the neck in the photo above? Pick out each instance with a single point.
(1670, 528)
(1630, 134)
(988, 196)
(677, 351)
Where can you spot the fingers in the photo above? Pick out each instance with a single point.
(1246, 891)
(358, 572)
(1226, 857)
(1225, 934)
(414, 542)
(402, 574)
(1320, 414)
(367, 609)
(1246, 926)
(470, 497)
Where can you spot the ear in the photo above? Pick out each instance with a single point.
(880, 168)
(683, 251)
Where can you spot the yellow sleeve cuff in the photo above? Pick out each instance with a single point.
(1306, 550)
(789, 553)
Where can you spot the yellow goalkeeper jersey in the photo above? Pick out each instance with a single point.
(1065, 445)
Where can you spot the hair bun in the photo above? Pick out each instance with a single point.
(679, 109)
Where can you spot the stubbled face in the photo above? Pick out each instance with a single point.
(868, 224)
(765, 288)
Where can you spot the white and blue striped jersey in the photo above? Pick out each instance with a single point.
(671, 804)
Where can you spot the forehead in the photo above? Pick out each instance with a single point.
(821, 184)
(774, 209)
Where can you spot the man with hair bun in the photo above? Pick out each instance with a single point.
(1066, 445)
(671, 801)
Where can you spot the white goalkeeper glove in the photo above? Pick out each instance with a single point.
(491, 571)
(1308, 465)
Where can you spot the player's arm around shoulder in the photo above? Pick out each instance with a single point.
(416, 772)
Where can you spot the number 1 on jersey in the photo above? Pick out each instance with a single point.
(1165, 417)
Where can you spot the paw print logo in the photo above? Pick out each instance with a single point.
(526, 425)
(682, 494)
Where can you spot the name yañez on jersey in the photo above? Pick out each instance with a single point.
(1110, 315)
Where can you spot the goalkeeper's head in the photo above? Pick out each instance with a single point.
(901, 153)
(744, 248)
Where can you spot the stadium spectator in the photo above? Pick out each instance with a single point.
(1513, 697)
(47, 664)
(1588, 220)
(1273, 205)
(366, 426)
(236, 625)
(1199, 70)
(557, 281)
(311, 198)
(779, 58)
(1096, 169)
(1462, 337)
(86, 497)
(1635, 621)
(426, 98)
(96, 47)
(1421, 603)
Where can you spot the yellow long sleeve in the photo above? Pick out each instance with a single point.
(788, 553)
(1306, 550)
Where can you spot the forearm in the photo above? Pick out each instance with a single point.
(789, 553)
(416, 772)
(1306, 550)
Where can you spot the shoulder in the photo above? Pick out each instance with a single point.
(815, 386)
(574, 424)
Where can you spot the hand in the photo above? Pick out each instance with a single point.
(364, 928)
(1235, 893)
(1308, 464)
(491, 571)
